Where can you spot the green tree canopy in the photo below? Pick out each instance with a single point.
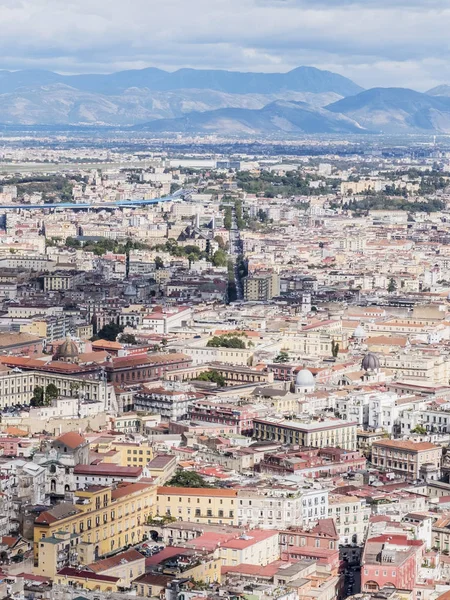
(188, 479)
(110, 332)
(51, 393)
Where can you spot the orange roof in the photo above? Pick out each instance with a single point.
(126, 489)
(181, 491)
(107, 344)
(72, 439)
(108, 563)
(15, 431)
(406, 445)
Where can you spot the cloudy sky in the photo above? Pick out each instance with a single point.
(374, 42)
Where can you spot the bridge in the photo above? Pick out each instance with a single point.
(94, 205)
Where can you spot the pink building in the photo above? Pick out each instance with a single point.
(391, 561)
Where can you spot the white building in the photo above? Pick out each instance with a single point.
(351, 517)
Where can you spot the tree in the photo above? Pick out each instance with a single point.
(334, 348)
(51, 393)
(420, 429)
(282, 357)
(226, 341)
(128, 338)
(213, 377)
(392, 286)
(159, 263)
(219, 239)
(38, 396)
(228, 218)
(219, 258)
(110, 332)
(187, 479)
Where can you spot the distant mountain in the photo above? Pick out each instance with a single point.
(302, 79)
(440, 90)
(277, 117)
(396, 110)
(60, 104)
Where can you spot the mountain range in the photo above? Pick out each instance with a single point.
(304, 100)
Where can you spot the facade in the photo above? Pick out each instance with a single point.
(107, 519)
(281, 508)
(351, 516)
(198, 505)
(58, 551)
(240, 416)
(391, 561)
(315, 434)
(135, 369)
(172, 403)
(407, 458)
(261, 288)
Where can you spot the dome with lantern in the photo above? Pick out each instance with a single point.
(304, 382)
(67, 351)
(370, 362)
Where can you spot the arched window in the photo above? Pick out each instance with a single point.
(52, 468)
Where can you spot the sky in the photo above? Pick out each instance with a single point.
(403, 43)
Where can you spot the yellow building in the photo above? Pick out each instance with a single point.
(162, 467)
(76, 578)
(182, 563)
(126, 566)
(106, 519)
(38, 327)
(198, 505)
(125, 454)
(58, 551)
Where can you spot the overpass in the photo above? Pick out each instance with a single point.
(94, 205)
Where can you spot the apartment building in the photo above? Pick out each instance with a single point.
(351, 517)
(413, 460)
(281, 508)
(261, 288)
(314, 433)
(198, 505)
(62, 280)
(107, 519)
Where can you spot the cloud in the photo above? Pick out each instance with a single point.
(376, 42)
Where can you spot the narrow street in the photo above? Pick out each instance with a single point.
(235, 252)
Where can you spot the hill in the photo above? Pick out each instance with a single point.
(276, 117)
(396, 110)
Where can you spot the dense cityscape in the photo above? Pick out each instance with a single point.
(224, 367)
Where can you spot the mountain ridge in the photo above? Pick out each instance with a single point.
(396, 110)
(300, 79)
(277, 117)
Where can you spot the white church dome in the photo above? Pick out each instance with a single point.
(305, 379)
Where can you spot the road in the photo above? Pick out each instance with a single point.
(235, 252)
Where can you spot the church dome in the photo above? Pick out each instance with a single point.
(370, 362)
(360, 333)
(305, 379)
(68, 350)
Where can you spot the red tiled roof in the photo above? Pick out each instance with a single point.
(71, 439)
(85, 574)
(108, 563)
(181, 491)
(107, 469)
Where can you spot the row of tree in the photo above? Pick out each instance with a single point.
(44, 397)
